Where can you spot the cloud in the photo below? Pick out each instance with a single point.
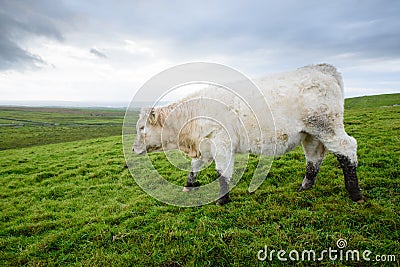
(371, 29)
(142, 38)
(97, 53)
(11, 55)
(300, 30)
(22, 20)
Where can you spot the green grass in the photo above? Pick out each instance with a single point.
(372, 101)
(75, 203)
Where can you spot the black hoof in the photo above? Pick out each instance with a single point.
(191, 186)
(187, 189)
(304, 188)
(223, 200)
(361, 200)
(358, 197)
(301, 189)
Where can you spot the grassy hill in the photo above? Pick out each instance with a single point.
(75, 203)
(375, 101)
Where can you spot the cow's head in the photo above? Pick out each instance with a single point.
(148, 132)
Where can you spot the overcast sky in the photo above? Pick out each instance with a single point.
(95, 50)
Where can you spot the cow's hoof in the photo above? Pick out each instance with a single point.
(303, 188)
(357, 196)
(190, 188)
(362, 200)
(223, 200)
(187, 189)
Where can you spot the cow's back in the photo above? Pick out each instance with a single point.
(293, 98)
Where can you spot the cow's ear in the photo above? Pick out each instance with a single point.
(152, 117)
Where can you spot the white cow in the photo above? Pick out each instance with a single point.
(214, 124)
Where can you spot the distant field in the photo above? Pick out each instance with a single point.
(76, 204)
(40, 126)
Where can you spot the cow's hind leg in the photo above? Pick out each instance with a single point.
(344, 147)
(314, 151)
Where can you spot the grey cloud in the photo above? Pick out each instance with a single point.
(12, 56)
(20, 20)
(97, 53)
(186, 29)
(232, 26)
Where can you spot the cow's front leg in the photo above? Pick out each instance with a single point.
(224, 168)
(196, 166)
(223, 189)
(190, 182)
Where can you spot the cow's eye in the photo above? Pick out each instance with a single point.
(141, 128)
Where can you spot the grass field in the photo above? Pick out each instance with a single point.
(75, 203)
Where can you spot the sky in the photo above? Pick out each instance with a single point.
(94, 50)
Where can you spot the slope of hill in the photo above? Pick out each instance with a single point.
(372, 101)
